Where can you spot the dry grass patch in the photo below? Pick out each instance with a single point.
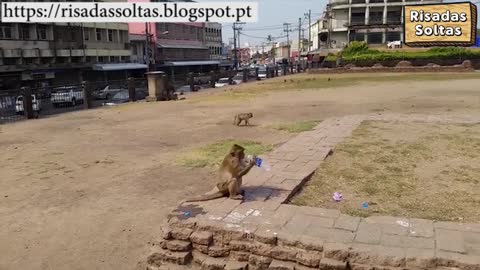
(296, 127)
(402, 169)
(212, 155)
(305, 81)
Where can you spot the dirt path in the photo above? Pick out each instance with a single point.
(89, 190)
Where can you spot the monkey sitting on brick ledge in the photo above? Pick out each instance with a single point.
(232, 169)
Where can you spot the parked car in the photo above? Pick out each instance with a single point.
(36, 105)
(123, 97)
(238, 79)
(186, 88)
(108, 92)
(222, 82)
(262, 73)
(71, 95)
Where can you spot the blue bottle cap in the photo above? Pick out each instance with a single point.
(258, 162)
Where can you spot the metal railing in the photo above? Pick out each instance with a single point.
(31, 103)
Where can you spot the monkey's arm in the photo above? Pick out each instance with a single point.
(245, 170)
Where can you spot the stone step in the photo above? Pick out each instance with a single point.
(179, 245)
(159, 256)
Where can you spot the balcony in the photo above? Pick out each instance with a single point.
(357, 21)
(375, 20)
(394, 21)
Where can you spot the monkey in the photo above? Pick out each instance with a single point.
(242, 117)
(230, 173)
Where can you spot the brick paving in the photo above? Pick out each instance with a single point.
(264, 233)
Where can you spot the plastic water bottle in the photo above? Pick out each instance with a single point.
(262, 164)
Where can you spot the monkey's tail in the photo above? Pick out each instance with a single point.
(235, 120)
(205, 197)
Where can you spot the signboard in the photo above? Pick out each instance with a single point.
(449, 24)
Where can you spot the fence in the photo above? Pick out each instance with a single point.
(28, 103)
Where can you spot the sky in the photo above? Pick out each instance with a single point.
(272, 15)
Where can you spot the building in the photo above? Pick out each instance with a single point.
(372, 21)
(213, 40)
(63, 53)
(33, 54)
(280, 51)
(177, 48)
(243, 55)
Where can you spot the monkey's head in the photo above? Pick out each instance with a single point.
(250, 115)
(237, 151)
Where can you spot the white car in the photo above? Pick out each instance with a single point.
(222, 82)
(262, 74)
(67, 95)
(238, 79)
(108, 92)
(36, 105)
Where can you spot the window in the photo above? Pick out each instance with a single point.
(24, 32)
(98, 34)
(101, 59)
(42, 32)
(134, 49)
(86, 34)
(28, 61)
(110, 35)
(6, 31)
(72, 35)
(10, 61)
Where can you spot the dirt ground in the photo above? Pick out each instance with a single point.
(90, 189)
(411, 169)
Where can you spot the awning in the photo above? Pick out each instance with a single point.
(124, 66)
(178, 46)
(191, 63)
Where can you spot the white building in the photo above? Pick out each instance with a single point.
(372, 21)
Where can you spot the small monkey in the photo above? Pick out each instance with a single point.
(232, 169)
(242, 117)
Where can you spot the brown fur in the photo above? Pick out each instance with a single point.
(232, 169)
(242, 117)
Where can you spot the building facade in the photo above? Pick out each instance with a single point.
(213, 40)
(58, 53)
(372, 21)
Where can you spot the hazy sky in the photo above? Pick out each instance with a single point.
(272, 14)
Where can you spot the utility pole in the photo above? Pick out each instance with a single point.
(309, 17)
(286, 28)
(235, 61)
(271, 43)
(299, 37)
(147, 51)
(236, 36)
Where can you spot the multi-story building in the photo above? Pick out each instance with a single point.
(213, 40)
(58, 53)
(372, 21)
(177, 48)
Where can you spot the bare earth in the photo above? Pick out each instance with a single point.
(90, 189)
